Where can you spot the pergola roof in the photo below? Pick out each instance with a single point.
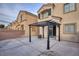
(44, 23)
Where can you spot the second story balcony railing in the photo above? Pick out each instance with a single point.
(52, 18)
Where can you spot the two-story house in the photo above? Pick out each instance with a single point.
(24, 18)
(69, 14)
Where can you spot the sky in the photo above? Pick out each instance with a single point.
(9, 11)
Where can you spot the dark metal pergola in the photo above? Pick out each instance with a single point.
(43, 24)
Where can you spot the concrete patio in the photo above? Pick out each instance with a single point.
(38, 47)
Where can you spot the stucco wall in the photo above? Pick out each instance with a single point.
(71, 17)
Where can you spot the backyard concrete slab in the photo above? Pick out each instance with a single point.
(22, 47)
(66, 49)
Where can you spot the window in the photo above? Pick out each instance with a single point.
(22, 27)
(69, 28)
(46, 13)
(33, 28)
(39, 16)
(68, 7)
(21, 17)
(49, 11)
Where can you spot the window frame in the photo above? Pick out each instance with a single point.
(22, 27)
(75, 28)
(46, 11)
(69, 10)
(39, 16)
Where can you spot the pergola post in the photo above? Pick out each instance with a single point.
(29, 33)
(59, 33)
(48, 42)
(43, 31)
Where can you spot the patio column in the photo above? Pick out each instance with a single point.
(43, 31)
(29, 33)
(59, 33)
(48, 42)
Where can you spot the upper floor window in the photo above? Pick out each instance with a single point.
(39, 16)
(68, 7)
(46, 13)
(21, 17)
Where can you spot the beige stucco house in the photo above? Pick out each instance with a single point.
(22, 21)
(67, 14)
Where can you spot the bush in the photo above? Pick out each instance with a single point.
(2, 26)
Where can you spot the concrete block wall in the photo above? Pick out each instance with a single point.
(8, 34)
